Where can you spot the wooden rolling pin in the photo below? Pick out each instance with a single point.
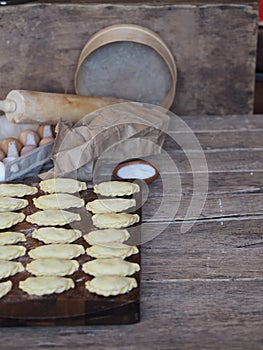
(21, 106)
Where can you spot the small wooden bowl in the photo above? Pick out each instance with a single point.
(133, 162)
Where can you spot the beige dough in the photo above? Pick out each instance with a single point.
(112, 205)
(116, 188)
(56, 235)
(11, 237)
(52, 217)
(8, 219)
(52, 267)
(58, 251)
(112, 266)
(12, 204)
(16, 190)
(10, 268)
(111, 285)
(44, 285)
(62, 185)
(10, 252)
(112, 250)
(5, 288)
(107, 235)
(113, 220)
(58, 201)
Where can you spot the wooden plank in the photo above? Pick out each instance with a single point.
(174, 207)
(219, 183)
(178, 315)
(218, 249)
(162, 2)
(57, 39)
(235, 140)
(226, 123)
(176, 162)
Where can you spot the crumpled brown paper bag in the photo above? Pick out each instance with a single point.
(105, 134)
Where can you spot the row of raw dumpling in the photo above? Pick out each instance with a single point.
(109, 269)
(8, 251)
(54, 259)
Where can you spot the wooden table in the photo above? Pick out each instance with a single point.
(202, 289)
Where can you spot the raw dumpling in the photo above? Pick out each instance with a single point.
(44, 285)
(10, 268)
(113, 205)
(5, 288)
(113, 220)
(56, 235)
(52, 267)
(112, 250)
(116, 188)
(62, 185)
(10, 252)
(111, 285)
(113, 266)
(53, 217)
(107, 235)
(8, 219)
(58, 251)
(11, 237)
(58, 201)
(12, 204)
(16, 190)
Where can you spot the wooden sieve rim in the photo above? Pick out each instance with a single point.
(136, 34)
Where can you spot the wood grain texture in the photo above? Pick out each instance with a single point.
(212, 249)
(43, 35)
(152, 2)
(199, 314)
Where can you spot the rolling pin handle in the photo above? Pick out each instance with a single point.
(7, 106)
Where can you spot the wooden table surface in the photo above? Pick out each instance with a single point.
(202, 289)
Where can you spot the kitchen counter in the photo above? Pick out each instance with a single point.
(201, 289)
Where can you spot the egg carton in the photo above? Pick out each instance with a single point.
(29, 165)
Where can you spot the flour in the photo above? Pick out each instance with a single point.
(136, 171)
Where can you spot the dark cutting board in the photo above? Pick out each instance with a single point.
(76, 306)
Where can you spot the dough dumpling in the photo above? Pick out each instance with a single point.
(51, 217)
(112, 205)
(9, 219)
(10, 268)
(56, 235)
(113, 220)
(11, 237)
(58, 201)
(107, 235)
(111, 285)
(111, 250)
(16, 190)
(112, 266)
(45, 285)
(12, 204)
(62, 185)
(5, 288)
(10, 252)
(52, 267)
(58, 251)
(116, 188)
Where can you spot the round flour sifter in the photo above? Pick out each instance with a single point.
(21, 106)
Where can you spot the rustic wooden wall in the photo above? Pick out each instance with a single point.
(214, 46)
